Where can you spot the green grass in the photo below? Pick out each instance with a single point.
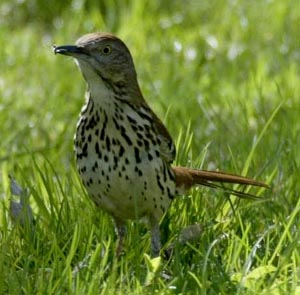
(224, 77)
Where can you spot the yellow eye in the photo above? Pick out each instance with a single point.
(106, 50)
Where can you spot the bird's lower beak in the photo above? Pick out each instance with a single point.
(71, 50)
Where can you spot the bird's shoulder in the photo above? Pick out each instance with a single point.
(166, 145)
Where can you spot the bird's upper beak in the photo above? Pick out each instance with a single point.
(71, 50)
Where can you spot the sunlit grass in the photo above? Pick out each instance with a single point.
(224, 77)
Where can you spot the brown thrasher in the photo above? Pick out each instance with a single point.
(123, 151)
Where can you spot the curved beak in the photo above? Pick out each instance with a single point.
(71, 50)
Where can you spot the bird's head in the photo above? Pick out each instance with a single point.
(102, 56)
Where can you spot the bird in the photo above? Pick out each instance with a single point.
(124, 153)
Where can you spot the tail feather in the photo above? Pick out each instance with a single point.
(186, 178)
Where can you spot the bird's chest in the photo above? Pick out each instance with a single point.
(103, 157)
(119, 163)
(110, 143)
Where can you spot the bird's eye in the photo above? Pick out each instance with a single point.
(106, 50)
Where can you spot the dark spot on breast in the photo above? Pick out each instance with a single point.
(170, 195)
(121, 151)
(159, 183)
(85, 147)
(134, 128)
(125, 136)
(171, 174)
(164, 172)
(97, 150)
(102, 135)
(145, 115)
(146, 143)
(137, 155)
(116, 124)
(107, 140)
(138, 171)
(131, 120)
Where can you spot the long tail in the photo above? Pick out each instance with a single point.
(187, 178)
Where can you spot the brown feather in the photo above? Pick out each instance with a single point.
(187, 177)
(167, 146)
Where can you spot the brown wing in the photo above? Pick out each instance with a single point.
(167, 147)
(165, 141)
(166, 144)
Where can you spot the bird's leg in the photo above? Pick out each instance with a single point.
(155, 237)
(121, 232)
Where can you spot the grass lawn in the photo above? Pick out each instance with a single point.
(224, 77)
